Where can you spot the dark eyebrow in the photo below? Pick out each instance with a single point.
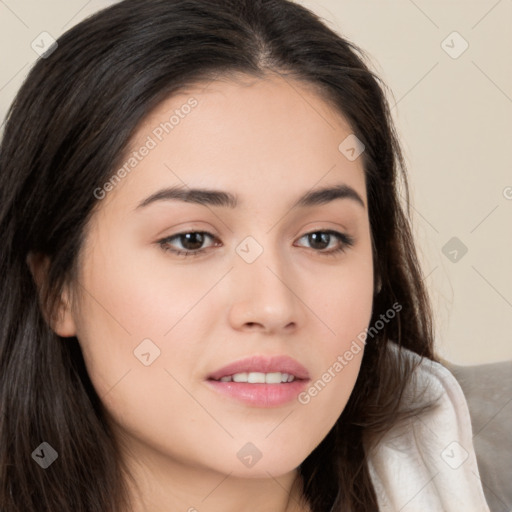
(219, 198)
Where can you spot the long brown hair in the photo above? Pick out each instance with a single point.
(65, 135)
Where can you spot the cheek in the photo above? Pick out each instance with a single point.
(136, 330)
(144, 290)
(342, 299)
(138, 320)
(134, 294)
(345, 311)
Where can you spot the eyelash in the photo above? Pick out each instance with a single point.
(346, 242)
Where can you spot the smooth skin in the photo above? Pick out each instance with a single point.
(268, 141)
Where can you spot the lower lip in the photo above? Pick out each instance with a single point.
(260, 395)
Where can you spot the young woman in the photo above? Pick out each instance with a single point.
(211, 297)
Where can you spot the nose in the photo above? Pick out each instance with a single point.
(264, 295)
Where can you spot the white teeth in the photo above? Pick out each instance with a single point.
(273, 378)
(256, 378)
(259, 378)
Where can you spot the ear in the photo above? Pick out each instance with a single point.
(62, 322)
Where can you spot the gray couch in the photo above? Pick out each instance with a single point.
(488, 392)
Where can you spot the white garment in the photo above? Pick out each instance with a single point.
(429, 463)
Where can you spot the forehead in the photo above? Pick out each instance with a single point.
(246, 134)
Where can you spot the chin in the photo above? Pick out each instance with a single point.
(265, 463)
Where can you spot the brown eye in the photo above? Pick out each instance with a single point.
(191, 243)
(320, 240)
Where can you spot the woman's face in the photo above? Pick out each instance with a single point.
(155, 325)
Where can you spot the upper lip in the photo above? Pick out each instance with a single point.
(283, 364)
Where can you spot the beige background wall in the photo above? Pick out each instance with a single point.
(453, 110)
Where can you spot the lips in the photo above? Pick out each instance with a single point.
(261, 364)
(248, 387)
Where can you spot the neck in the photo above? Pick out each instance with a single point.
(163, 485)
